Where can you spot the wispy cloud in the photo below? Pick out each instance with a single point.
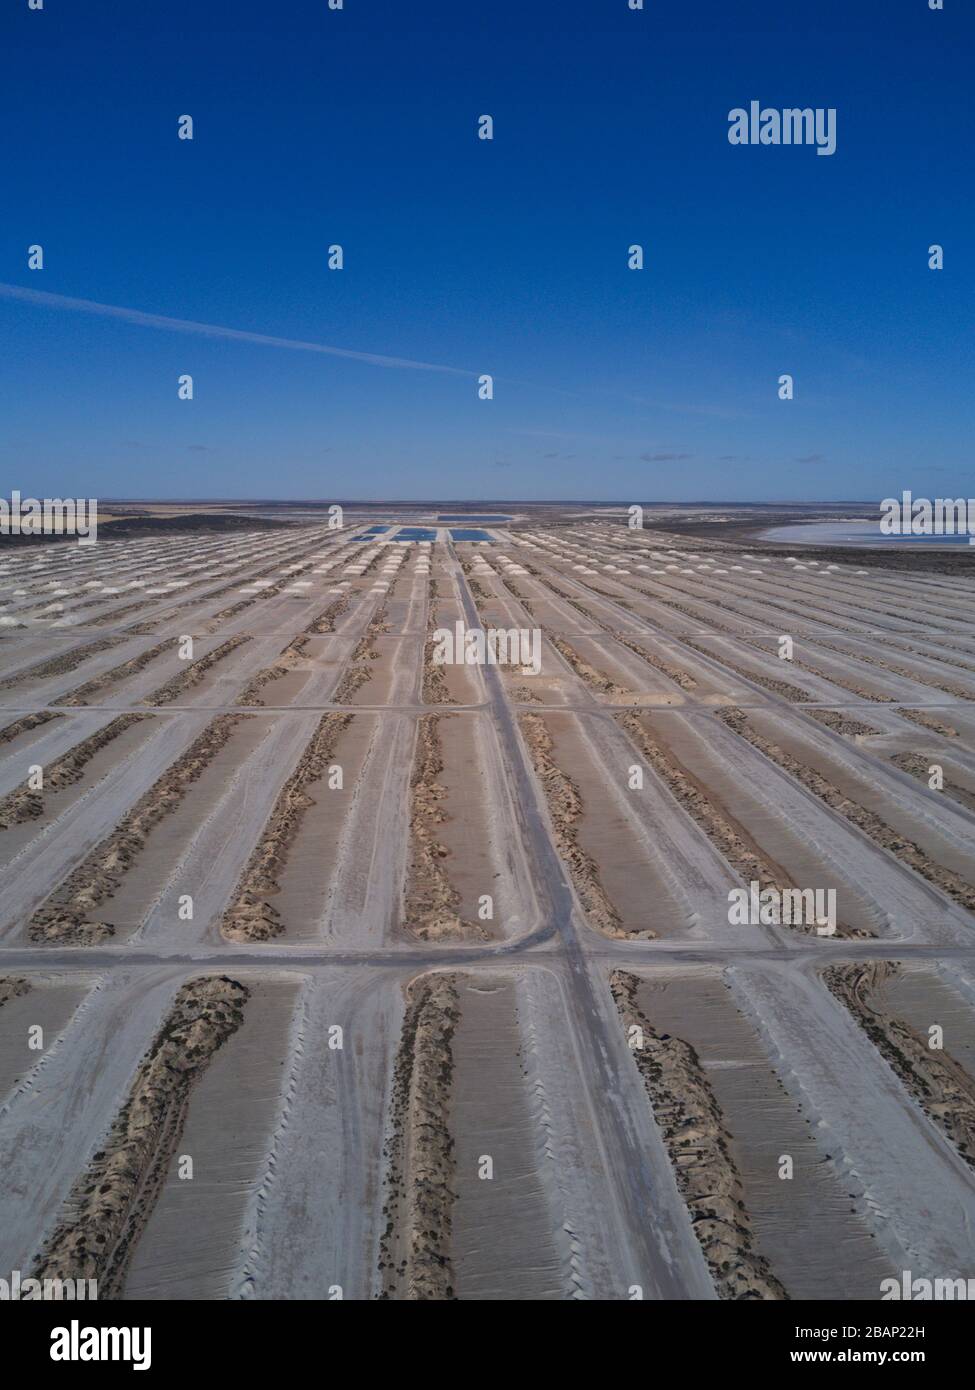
(213, 330)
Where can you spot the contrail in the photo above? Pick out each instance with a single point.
(214, 330)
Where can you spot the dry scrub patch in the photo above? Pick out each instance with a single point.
(565, 808)
(525, 695)
(63, 918)
(699, 1147)
(414, 1247)
(802, 602)
(110, 1203)
(778, 687)
(431, 909)
(250, 917)
(13, 987)
(872, 825)
(686, 610)
(480, 595)
(25, 804)
(943, 1089)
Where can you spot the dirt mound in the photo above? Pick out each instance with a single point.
(250, 917)
(23, 726)
(789, 692)
(431, 901)
(414, 1248)
(725, 832)
(596, 680)
(292, 656)
(928, 721)
(435, 688)
(61, 665)
(64, 916)
(194, 673)
(325, 622)
(565, 807)
(360, 671)
(675, 673)
(864, 819)
(83, 694)
(111, 1202)
(699, 1146)
(919, 765)
(25, 804)
(842, 723)
(943, 1089)
(911, 672)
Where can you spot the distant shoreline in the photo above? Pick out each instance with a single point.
(856, 532)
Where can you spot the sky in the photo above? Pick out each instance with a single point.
(462, 257)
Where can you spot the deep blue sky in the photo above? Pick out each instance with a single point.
(358, 127)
